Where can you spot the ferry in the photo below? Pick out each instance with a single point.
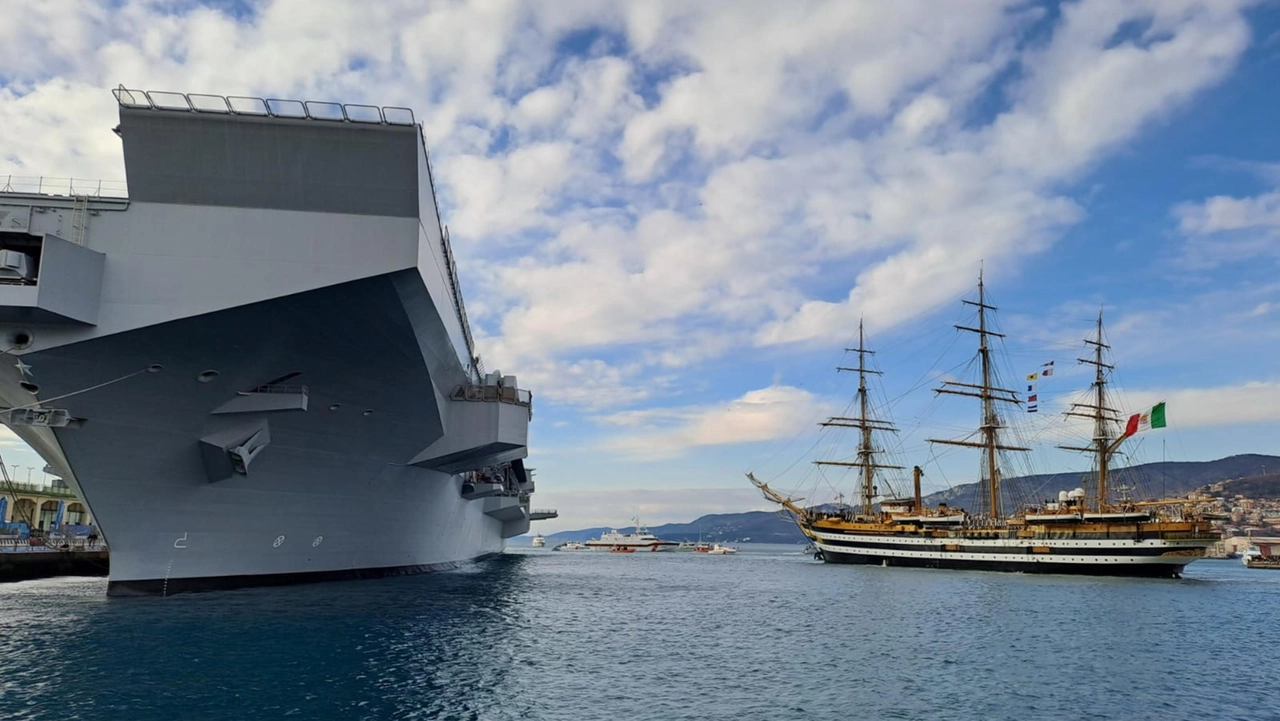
(639, 540)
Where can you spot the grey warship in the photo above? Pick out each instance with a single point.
(255, 365)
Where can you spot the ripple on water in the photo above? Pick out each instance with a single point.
(766, 634)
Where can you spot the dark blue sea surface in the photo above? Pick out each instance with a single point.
(766, 634)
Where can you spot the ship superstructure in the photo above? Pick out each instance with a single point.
(256, 366)
(1075, 534)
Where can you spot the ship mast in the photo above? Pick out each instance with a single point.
(1103, 445)
(864, 423)
(990, 396)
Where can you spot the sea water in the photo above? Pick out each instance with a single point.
(765, 634)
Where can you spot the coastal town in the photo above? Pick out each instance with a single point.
(1251, 510)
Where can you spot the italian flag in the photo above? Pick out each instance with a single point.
(1146, 420)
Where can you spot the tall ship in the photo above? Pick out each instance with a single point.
(1081, 532)
(255, 365)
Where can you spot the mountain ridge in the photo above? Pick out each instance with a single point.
(1244, 473)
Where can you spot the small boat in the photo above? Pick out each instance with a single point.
(1257, 557)
(622, 549)
(718, 550)
(571, 546)
(701, 547)
(539, 541)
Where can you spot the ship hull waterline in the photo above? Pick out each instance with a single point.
(1135, 559)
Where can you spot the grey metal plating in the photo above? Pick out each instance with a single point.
(190, 343)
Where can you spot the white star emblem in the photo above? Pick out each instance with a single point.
(23, 368)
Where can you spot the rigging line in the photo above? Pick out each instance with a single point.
(926, 377)
(799, 432)
(798, 459)
(84, 390)
(826, 389)
(936, 307)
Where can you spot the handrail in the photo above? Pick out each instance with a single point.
(325, 111)
(63, 187)
(502, 394)
(456, 285)
(38, 489)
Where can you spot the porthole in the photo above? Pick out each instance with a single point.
(335, 406)
(19, 339)
(367, 413)
(207, 376)
(29, 387)
(155, 368)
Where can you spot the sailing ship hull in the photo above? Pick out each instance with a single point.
(1150, 557)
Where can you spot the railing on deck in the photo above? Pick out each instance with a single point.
(502, 394)
(63, 187)
(263, 107)
(18, 487)
(456, 286)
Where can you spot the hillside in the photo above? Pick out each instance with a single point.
(1169, 478)
(1231, 476)
(759, 526)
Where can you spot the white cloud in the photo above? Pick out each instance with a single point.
(708, 186)
(1252, 402)
(1224, 229)
(1223, 213)
(495, 196)
(614, 508)
(759, 415)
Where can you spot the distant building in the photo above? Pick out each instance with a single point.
(37, 505)
(1240, 544)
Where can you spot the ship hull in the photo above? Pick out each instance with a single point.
(952, 564)
(257, 369)
(1153, 557)
(332, 497)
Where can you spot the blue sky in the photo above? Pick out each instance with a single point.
(670, 216)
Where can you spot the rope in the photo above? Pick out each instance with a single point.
(86, 390)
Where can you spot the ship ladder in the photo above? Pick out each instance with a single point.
(79, 218)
